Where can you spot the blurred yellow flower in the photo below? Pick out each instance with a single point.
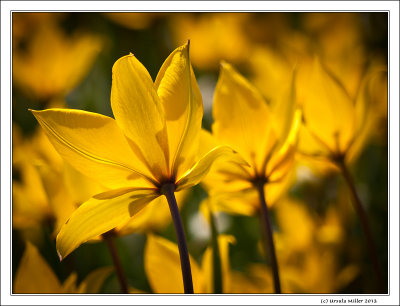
(215, 36)
(308, 262)
(337, 38)
(335, 129)
(315, 272)
(53, 63)
(34, 276)
(152, 142)
(47, 189)
(335, 125)
(161, 260)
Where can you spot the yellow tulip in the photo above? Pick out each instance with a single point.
(335, 129)
(149, 150)
(53, 63)
(49, 190)
(308, 262)
(161, 262)
(215, 36)
(35, 276)
(43, 192)
(264, 134)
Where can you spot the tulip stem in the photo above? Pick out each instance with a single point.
(217, 267)
(168, 189)
(364, 223)
(268, 233)
(109, 240)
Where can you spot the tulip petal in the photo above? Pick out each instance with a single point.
(284, 110)
(201, 168)
(243, 202)
(328, 110)
(183, 106)
(241, 116)
(95, 146)
(69, 285)
(207, 264)
(100, 214)
(138, 112)
(282, 160)
(224, 176)
(93, 282)
(154, 217)
(372, 96)
(163, 267)
(34, 275)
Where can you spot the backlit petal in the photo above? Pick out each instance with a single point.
(34, 275)
(241, 116)
(100, 214)
(94, 145)
(282, 160)
(371, 100)
(163, 267)
(283, 110)
(201, 168)
(328, 109)
(183, 106)
(60, 201)
(242, 202)
(154, 217)
(138, 112)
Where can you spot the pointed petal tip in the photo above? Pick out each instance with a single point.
(225, 66)
(59, 256)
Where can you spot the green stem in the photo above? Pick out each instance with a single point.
(217, 267)
(268, 233)
(168, 190)
(364, 224)
(109, 240)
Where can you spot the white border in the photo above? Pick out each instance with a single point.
(7, 6)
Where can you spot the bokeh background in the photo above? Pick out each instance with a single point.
(65, 60)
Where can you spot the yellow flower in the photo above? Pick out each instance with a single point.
(215, 36)
(308, 250)
(161, 262)
(35, 276)
(152, 142)
(53, 63)
(264, 134)
(44, 190)
(337, 126)
(335, 129)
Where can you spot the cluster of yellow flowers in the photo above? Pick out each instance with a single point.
(100, 177)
